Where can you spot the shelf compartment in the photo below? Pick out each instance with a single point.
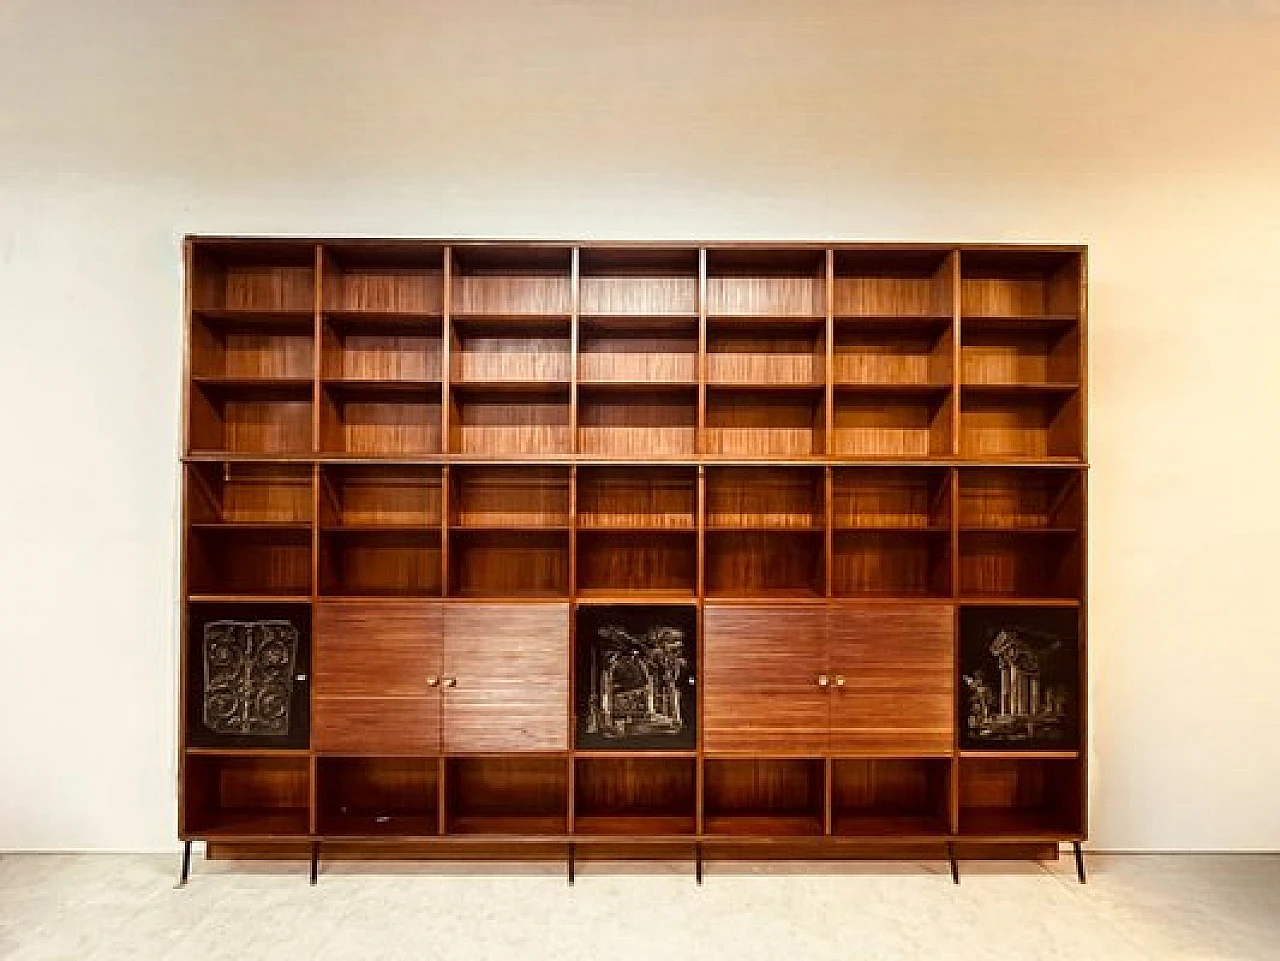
(383, 278)
(249, 494)
(892, 423)
(510, 353)
(875, 498)
(884, 797)
(637, 498)
(664, 562)
(764, 797)
(649, 422)
(512, 795)
(493, 423)
(1013, 564)
(766, 283)
(377, 796)
(380, 419)
(754, 423)
(892, 283)
(266, 276)
(875, 354)
(764, 564)
(788, 498)
(497, 281)
(634, 282)
(231, 561)
(635, 795)
(1020, 797)
(246, 795)
(1019, 283)
(374, 496)
(995, 353)
(261, 350)
(763, 354)
(1021, 498)
(509, 563)
(901, 563)
(380, 563)
(372, 352)
(252, 418)
(505, 497)
(1003, 424)
(649, 350)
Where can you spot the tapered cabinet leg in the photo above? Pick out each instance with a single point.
(186, 863)
(697, 861)
(315, 861)
(569, 866)
(1079, 861)
(955, 865)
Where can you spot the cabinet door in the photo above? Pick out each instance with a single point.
(506, 677)
(897, 666)
(761, 668)
(373, 666)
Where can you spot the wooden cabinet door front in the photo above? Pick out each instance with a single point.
(897, 695)
(374, 662)
(761, 670)
(506, 677)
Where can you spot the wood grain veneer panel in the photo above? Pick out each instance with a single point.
(883, 283)
(898, 668)
(635, 294)
(641, 354)
(871, 355)
(510, 497)
(510, 425)
(642, 423)
(750, 355)
(637, 497)
(377, 494)
(249, 493)
(390, 725)
(512, 686)
(510, 356)
(382, 356)
(376, 648)
(760, 678)
(512, 294)
(783, 497)
(381, 422)
(763, 424)
(891, 425)
(909, 498)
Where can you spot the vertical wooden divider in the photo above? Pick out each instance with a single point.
(952, 267)
(953, 485)
(317, 399)
(446, 362)
(700, 499)
(184, 519)
(575, 338)
(446, 492)
(828, 538)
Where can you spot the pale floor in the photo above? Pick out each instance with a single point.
(95, 907)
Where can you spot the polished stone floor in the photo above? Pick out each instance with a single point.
(1166, 907)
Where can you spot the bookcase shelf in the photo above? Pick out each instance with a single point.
(450, 465)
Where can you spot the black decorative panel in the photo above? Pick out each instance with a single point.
(247, 676)
(1020, 678)
(636, 671)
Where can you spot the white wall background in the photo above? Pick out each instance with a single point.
(1146, 129)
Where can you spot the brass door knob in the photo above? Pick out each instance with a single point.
(823, 680)
(433, 682)
(839, 680)
(450, 682)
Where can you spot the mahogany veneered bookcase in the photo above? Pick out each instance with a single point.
(432, 461)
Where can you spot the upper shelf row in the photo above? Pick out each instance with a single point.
(362, 279)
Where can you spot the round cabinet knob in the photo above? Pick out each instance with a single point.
(839, 680)
(433, 682)
(823, 680)
(450, 682)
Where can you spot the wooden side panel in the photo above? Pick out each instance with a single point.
(761, 670)
(373, 663)
(897, 667)
(511, 690)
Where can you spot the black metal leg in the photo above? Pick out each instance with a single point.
(697, 854)
(186, 863)
(955, 865)
(315, 861)
(1079, 861)
(572, 853)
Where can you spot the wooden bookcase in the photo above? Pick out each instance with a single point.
(431, 455)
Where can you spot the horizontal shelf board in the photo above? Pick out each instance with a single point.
(771, 319)
(355, 826)
(509, 528)
(1009, 600)
(888, 387)
(900, 597)
(765, 529)
(509, 824)
(876, 826)
(639, 825)
(384, 318)
(284, 527)
(604, 386)
(891, 528)
(427, 527)
(752, 387)
(301, 321)
(247, 752)
(1020, 387)
(254, 824)
(638, 321)
(507, 386)
(607, 755)
(1021, 755)
(590, 527)
(243, 598)
(229, 382)
(375, 593)
(996, 321)
(891, 320)
(499, 317)
(762, 825)
(764, 595)
(483, 594)
(997, 823)
(373, 384)
(1020, 530)
(603, 596)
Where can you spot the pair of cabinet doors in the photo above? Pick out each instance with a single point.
(840, 677)
(419, 677)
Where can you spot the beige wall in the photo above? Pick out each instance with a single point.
(1148, 130)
